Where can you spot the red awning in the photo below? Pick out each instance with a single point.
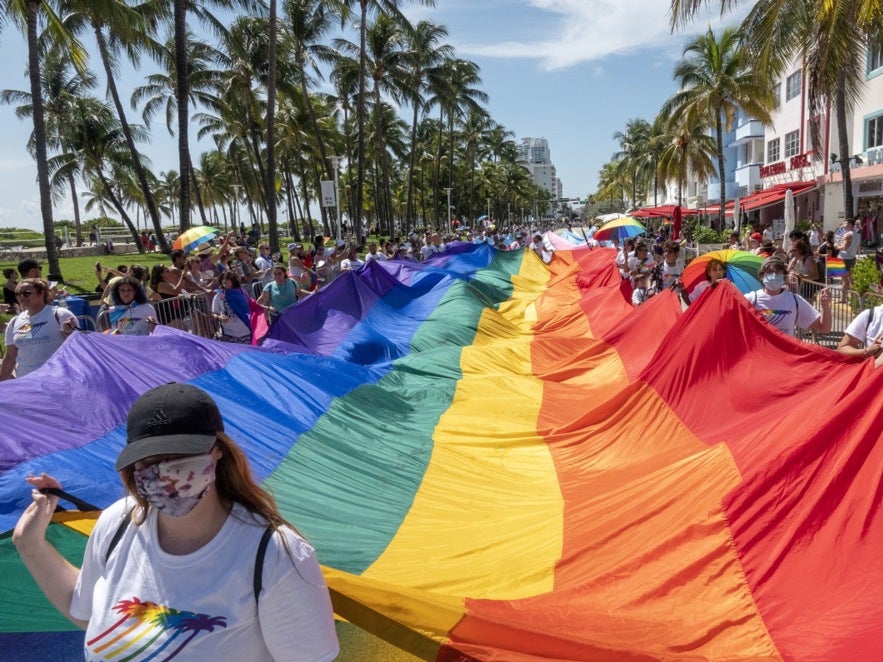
(767, 197)
(662, 211)
(773, 195)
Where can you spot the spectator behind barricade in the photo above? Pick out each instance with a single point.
(715, 271)
(129, 312)
(279, 295)
(733, 242)
(766, 249)
(784, 309)
(36, 332)
(815, 237)
(30, 268)
(351, 262)
(230, 311)
(802, 266)
(178, 269)
(642, 291)
(168, 286)
(303, 277)
(11, 276)
(264, 263)
(829, 246)
(848, 247)
(244, 267)
(753, 243)
(374, 254)
(193, 274)
(864, 335)
(142, 275)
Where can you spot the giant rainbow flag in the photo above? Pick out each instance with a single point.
(499, 460)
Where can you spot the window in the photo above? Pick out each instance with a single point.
(772, 151)
(875, 58)
(792, 144)
(792, 86)
(874, 132)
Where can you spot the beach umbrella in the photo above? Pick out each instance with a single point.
(620, 228)
(789, 219)
(192, 238)
(742, 269)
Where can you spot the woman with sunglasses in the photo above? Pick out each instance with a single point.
(36, 332)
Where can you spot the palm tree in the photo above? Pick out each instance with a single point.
(716, 79)
(26, 15)
(375, 6)
(686, 148)
(632, 157)
(424, 55)
(61, 87)
(127, 28)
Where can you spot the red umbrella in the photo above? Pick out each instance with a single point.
(676, 223)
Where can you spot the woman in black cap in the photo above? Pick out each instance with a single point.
(196, 561)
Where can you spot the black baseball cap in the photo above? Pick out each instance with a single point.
(170, 419)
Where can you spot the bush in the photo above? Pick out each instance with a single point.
(703, 234)
(865, 274)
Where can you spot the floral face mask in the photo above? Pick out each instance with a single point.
(175, 487)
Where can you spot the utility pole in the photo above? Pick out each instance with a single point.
(335, 162)
(448, 191)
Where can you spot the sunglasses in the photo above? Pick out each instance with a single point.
(24, 293)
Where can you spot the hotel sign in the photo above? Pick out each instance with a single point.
(799, 161)
(772, 169)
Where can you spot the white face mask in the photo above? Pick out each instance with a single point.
(774, 281)
(175, 487)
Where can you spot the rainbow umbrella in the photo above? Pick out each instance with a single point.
(190, 239)
(620, 228)
(742, 269)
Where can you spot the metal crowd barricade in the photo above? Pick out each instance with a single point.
(842, 312)
(187, 312)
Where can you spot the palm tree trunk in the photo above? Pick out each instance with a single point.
(33, 7)
(843, 140)
(137, 166)
(77, 227)
(273, 228)
(720, 170)
(412, 158)
(360, 112)
(182, 92)
(196, 190)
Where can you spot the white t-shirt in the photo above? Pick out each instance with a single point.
(375, 256)
(860, 329)
(234, 326)
(133, 322)
(785, 310)
(36, 338)
(671, 271)
(848, 252)
(430, 249)
(145, 603)
(351, 265)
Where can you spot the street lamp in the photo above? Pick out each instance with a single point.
(448, 191)
(488, 210)
(335, 162)
(236, 188)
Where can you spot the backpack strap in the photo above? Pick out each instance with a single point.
(258, 581)
(118, 535)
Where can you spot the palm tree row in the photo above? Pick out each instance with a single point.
(280, 98)
(734, 70)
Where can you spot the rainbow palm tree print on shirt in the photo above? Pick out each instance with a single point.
(142, 624)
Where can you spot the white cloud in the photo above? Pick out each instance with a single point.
(591, 30)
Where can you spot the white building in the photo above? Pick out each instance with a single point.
(534, 154)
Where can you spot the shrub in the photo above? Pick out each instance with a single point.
(865, 274)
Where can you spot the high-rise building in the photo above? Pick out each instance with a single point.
(534, 154)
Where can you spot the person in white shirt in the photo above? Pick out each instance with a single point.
(264, 264)
(642, 292)
(374, 254)
(196, 539)
(539, 247)
(784, 309)
(351, 262)
(848, 247)
(36, 332)
(129, 313)
(641, 262)
(864, 335)
(433, 246)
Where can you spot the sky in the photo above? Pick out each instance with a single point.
(571, 71)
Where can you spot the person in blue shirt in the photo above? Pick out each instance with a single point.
(279, 294)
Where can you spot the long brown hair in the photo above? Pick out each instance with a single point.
(234, 482)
